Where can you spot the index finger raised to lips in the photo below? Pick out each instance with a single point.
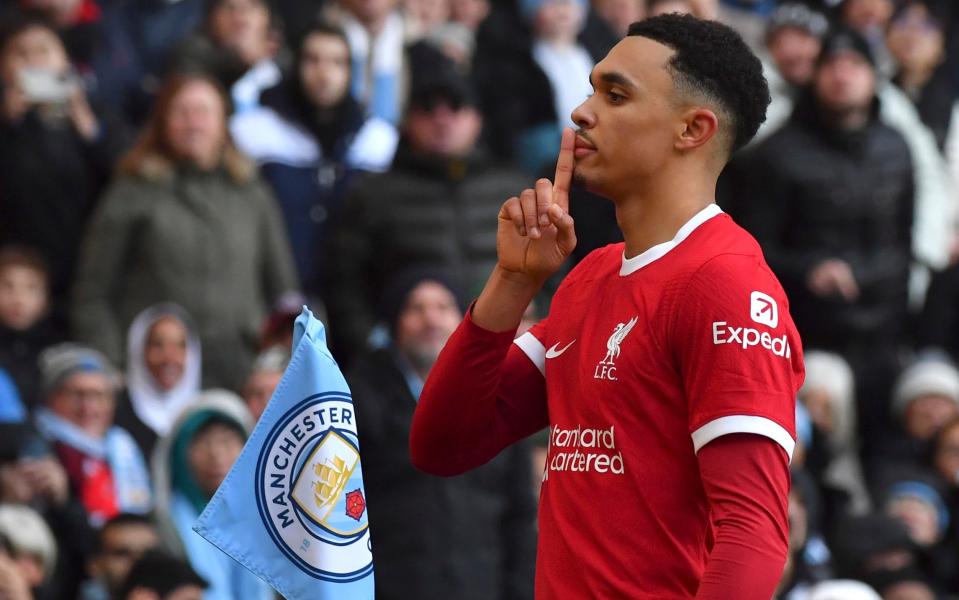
(564, 169)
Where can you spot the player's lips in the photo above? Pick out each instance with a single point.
(583, 147)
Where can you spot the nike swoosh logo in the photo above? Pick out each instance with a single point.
(553, 352)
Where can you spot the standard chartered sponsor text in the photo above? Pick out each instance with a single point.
(579, 450)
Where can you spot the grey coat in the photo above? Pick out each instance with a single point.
(203, 240)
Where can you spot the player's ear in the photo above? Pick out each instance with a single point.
(698, 126)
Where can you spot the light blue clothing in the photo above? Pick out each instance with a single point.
(131, 480)
(11, 407)
(377, 66)
(228, 579)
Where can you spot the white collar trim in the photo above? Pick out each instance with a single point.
(631, 265)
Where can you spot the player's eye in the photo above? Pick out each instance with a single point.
(615, 98)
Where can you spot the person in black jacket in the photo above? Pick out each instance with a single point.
(56, 151)
(466, 537)
(436, 205)
(830, 199)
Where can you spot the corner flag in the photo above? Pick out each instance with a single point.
(293, 508)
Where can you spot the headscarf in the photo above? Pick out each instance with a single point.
(155, 407)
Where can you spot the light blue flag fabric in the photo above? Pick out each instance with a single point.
(293, 508)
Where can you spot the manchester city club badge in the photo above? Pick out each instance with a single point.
(309, 489)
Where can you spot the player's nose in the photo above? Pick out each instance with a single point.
(583, 116)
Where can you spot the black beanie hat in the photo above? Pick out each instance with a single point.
(398, 288)
(843, 39)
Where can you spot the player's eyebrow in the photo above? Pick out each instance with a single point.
(615, 78)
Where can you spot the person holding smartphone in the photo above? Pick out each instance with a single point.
(56, 150)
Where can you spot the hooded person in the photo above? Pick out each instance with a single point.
(105, 467)
(189, 464)
(309, 137)
(829, 395)
(163, 372)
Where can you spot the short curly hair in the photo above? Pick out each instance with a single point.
(713, 62)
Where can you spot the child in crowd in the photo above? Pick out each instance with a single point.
(24, 328)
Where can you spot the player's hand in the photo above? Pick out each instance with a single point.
(834, 277)
(535, 232)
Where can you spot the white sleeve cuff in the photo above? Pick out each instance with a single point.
(744, 424)
(534, 349)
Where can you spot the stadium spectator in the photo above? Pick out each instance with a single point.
(268, 369)
(163, 373)
(838, 239)
(238, 44)
(120, 543)
(187, 221)
(916, 39)
(945, 462)
(870, 18)
(945, 459)
(793, 41)
(905, 584)
(189, 464)
(843, 589)
(25, 329)
(13, 584)
(870, 544)
(440, 174)
(917, 42)
(935, 210)
(105, 468)
(551, 48)
(913, 497)
(34, 550)
(56, 151)
(310, 137)
(518, 95)
(424, 16)
(829, 395)
(618, 15)
(470, 13)
(808, 560)
(480, 542)
(160, 577)
(378, 35)
(31, 475)
(925, 399)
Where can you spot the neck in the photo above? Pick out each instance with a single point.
(375, 25)
(653, 214)
(913, 80)
(560, 39)
(853, 120)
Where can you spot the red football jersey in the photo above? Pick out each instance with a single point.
(647, 360)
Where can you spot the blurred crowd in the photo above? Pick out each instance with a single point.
(179, 177)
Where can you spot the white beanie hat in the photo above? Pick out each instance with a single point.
(927, 377)
(29, 534)
(843, 589)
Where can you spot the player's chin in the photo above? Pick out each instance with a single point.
(584, 177)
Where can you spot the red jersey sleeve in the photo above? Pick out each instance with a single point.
(737, 351)
(482, 395)
(746, 479)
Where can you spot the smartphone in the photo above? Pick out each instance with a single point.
(43, 86)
